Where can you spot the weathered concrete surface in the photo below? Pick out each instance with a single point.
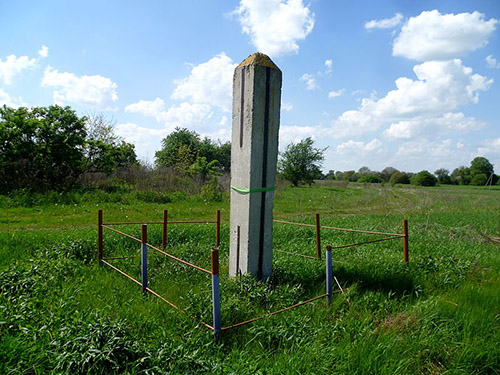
(254, 153)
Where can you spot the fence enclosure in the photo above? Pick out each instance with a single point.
(216, 326)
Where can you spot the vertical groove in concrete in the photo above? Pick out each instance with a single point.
(254, 152)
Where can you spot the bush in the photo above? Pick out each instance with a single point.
(479, 179)
(371, 178)
(424, 178)
(211, 191)
(399, 178)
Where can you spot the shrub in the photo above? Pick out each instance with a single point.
(371, 178)
(479, 179)
(399, 178)
(424, 178)
(211, 191)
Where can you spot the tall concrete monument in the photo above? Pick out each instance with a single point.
(254, 154)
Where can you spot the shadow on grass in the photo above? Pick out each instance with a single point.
(310, 274)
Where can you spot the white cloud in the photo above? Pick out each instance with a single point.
(435, 36)
(356, 147)
(428, 149)
(449, 123)
(491, 62)
(146, 140)
(294, 134)
(335, 94)
(210, 83)
(185, 115)
(386, 23)
(310, 81)
(275, 26)
(329, 66)
(44, 51)
(286, 106)
(441, 87)
(490, 147)
(6, 99)
(93, 91)
(13, 67)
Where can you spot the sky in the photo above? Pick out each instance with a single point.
(409, 84)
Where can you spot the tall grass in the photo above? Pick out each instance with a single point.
(61, 313)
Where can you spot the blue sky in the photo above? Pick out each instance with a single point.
(402, 83)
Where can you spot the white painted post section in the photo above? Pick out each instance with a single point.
(254, 154)
(329, 274)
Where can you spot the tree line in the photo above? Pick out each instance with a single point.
(301, 163)
(51, 148)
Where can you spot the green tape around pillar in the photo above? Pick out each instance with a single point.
(256, 190)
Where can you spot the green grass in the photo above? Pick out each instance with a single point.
(61, 313)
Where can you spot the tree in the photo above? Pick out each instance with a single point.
(104, 150)
(167, 155)
(40, 148)
(479, 179)
(301, 162)
(398, 177)
(479, 166)
(443, 176)
(371, 178)
(461, 175)
(182, 147)
(424, 178)
(387, 172)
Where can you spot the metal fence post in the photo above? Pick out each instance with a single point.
(144, 257)
(329, 271)
(215, 291)
(318, 237)
(99, 236)
(405, 241)
(164, 233)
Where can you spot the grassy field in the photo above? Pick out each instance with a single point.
(61, 313)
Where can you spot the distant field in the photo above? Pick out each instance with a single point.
(61, 313)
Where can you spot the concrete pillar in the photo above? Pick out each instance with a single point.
(254, 154)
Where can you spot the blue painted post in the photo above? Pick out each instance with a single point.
(329, 271)
(144, 257)
(215, 291)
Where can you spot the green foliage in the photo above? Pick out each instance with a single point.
(480, 165)
(461, 175)
(399, 178)
(183, 147)
(40, 148)
(479, 179)
(301, 162)
(443, 176)
(211, 191)
(371, 178)
(105, 151)
(62, 314)
(424, 178)
(203, 168)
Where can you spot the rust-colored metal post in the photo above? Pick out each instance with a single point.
(217, 234)
(405, 241)
(164, 234)
(215, 291)
(318, 237)
(99, 236)
(144, 257)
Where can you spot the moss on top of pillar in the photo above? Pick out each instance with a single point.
(259, 59)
